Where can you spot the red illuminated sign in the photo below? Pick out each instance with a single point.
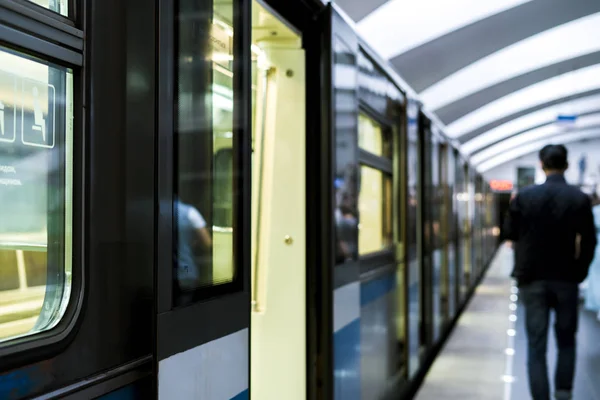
(501, 186)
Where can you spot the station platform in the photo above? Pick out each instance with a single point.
(486, 354)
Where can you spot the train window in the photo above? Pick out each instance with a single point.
(388, 201)
(375, 209)
(223, 203)
(204, 198)
(59, 6)
(36, 111)
(372, 138)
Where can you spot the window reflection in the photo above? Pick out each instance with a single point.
(375, 198)
(346, 217)
(374, 233)
(223, 188)
(436, 203)
(204, 198)
(412, 176)
(372, 138)
(345, 78)
(59, 6)
(36, 111)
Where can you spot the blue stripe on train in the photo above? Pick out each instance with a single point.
(19, 383)
(242, 396)
(347, 385)
(376, 288)
(347, 362)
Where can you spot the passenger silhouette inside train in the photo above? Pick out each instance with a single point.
(346, 222)
(192, 237)
(346, 217)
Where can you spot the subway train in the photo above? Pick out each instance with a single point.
(222, 200)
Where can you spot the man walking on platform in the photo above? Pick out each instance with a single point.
(552, 227)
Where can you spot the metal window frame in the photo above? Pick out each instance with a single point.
(47, 26)
(71, 18)
(38, 36)
(371, 261)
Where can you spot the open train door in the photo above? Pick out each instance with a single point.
(203, 215)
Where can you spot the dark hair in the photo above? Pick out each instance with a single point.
(554, 157)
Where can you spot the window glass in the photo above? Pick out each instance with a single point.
(413, 199)
(436, 196)
(59, 6)
(374, 207)
(36, 111)
(223, 203)
(346, 169)
(388, 201)
(204, 195)
(372, 138)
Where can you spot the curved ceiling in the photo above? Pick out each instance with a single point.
(545, 116)
(564, 100)
(398, 26)
(535, 146)
(492, 71)
(554, 46)
(555, 88)
(461, 107)
(548, 131)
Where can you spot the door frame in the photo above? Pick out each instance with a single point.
(184, 328)
(313, 22)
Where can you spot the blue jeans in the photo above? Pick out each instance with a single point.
(539, 298)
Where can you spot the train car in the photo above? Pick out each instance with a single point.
(222, 200)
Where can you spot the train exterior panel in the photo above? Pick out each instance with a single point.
(222, 200)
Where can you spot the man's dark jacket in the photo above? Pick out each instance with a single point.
(545, 222)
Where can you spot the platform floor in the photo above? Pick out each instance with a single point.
(485, 356)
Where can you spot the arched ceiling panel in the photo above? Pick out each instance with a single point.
(400, 25)
(482, 64)
(545, 116)
(358, 9)
(496, 123)
(562, 43)
(464, 106)
(532, 147)
(551, 89)
(546, 131)
(437, 59)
